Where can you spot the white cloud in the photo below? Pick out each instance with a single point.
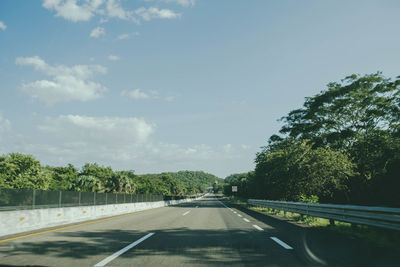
(5, 125)
(114, 10)
(67, 84)
(184, 3)
(135, 94)
(70, 10)
(75, 10)
(88, 129)
(153, 12)
(228, 148)
(245, 147)
(123, 36)
(3, 26)
(170, 98)
(97, 32)
(122, 143)
(150, 94)
(113, 58)
(127, 35)
(103, 20)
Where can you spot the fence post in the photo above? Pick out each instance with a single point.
(116, 198)
(59, 200)
(94, 198)
(131, 198)
(106, 198)
(79, 196)
(33, 198)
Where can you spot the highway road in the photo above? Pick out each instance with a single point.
(203, 232)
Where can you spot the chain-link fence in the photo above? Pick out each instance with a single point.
(17, 199)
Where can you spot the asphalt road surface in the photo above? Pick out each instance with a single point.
(203, 232)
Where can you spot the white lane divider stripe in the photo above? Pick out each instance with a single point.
(235, 212)
(122, 251)
(258, 227)
(239, 215)
(246, 220)
(280, 242)
(186, 212)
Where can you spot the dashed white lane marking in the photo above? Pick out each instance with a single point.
(239, 215)
(197, 206)
(122, 251)
(258, 227)
(186, 213)
(235, 212)
(246, 220)
(280, 242)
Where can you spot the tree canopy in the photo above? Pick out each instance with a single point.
(24, 171)
(343, 145)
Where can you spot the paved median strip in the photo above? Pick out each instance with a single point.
(186, 213)
(280, 242)
(122, 251)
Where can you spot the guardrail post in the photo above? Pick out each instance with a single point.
(331, 222)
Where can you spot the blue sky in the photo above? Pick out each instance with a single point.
(167, 85)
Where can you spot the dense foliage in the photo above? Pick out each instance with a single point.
(342, 146)
(24, 171)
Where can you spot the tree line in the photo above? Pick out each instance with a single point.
(24, 171)
(342, 146)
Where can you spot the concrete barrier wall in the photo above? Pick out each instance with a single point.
(13, 222)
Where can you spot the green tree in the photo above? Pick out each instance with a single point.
(291, 169)
(63, 178)
(22, 171)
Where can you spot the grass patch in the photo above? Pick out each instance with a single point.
(379, 236)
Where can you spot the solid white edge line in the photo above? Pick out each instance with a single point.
(125, 249)
(246, 220)
(280, 242)
(186, 212)
(258, 227)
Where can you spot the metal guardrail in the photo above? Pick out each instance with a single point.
(21, 199)
(374, 216)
